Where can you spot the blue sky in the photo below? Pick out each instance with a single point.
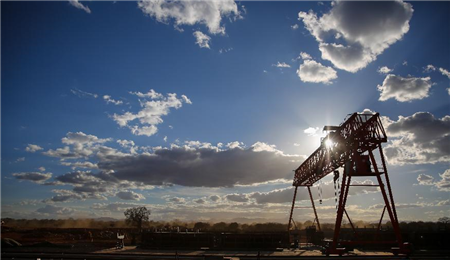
(203, 115)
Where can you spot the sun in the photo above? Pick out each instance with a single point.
(328, 143)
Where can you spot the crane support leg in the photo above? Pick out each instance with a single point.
(314, 208)
(340, 212)
(387, 202)
(292, 208)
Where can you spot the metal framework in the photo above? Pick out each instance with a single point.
(352, 146)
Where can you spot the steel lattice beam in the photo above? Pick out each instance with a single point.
(359, 133)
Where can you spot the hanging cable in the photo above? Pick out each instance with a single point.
(336, 188)
(319, 189)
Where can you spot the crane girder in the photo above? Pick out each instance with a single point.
(359, 133)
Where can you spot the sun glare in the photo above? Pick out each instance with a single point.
(328, 143)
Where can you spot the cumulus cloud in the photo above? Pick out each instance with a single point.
(108, 100)
(312, 131)
(444, 72)
(214, 198)
(153, 108)
(200, 201)
(384, 70)
(418, 139)
(208, 13)
(193, 164)
(294, 27)
(425, 179)
(32, 148)
(130, 195)
(236, 197)
(203, 165)
(305, 56)
(176, 200)
(83, 145)
(429, 68)
(202, 39)
(312, 71)
(88, 185)
(444, 183)
(281, 65)
(54, 210)
(79, 5)
(85, 165)
(37, 177)
(367, 28)
(404, 89)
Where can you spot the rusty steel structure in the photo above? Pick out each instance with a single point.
(352, 147)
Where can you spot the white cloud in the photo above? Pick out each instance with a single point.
(202, 39)
(83, 145)
(444, 72)
(294, 27)
(79, 5)
(429, 68)
(37, 177)
(83, 94)
(312, 131)
(384, 70)
(130, 195)
(108, 100)
(418, 139)
(208, 13)
(312, 71)
(305, 56)
(42, 169)
(20, 159)
(152, 110)
(152, 94)
(85, 165)
(367, 28)
(235, 144)
(186, 99)
(281, 65)
(32, 148)
(444, 183)
(425, 179)
(404, 89)
(165, 138)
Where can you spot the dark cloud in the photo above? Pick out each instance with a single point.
(130, 195)
(237, 197)
(202, 167)
(37, 177)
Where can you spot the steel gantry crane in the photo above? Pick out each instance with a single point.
(350, 146)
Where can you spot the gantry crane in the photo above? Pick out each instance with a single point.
(350, 146)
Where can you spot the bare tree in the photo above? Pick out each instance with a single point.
(137, 216)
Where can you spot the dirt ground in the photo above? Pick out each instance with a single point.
(101, 241)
